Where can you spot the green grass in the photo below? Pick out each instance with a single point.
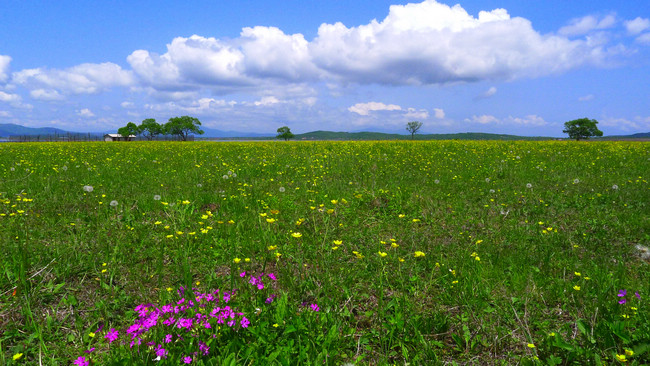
(464, 251)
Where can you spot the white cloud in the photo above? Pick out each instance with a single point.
(266, 101)
(637, 124)
(412, 113)
(586, 98)
(432, 43)
(483, 119)
(364, 109)
(644, 38)
(488, 93)
(46, 94)
(80, 79)
(5, 114)
(438, 113)
(586, 24)
(9, 98)
(4, 67)
(637, 25)
(127, 105)
(87, 113)
(529, 120)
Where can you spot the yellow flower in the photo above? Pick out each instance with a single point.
(335, 248)
(247, 260)
(629, 352)
(277, 255)
(186, 202)
(479, 241)
(271, 220)
(394, 245)
(272, 247)
(334, 202)
(296, 234)
(530, 345)
(231, 222)
(338, 242)
(91, 335)
(416, 220)
(382, 254)
(401, 216)
(477, 258)
(576, 287)
(621, 358)
(552, 334)
(419, 254)
(263, 214)
(577, 274)
(236, 260)
(157, 223)
(169, 289)
(17, 356)
(276, 325)
(204, 217)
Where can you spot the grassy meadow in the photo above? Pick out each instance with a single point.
(325, 253)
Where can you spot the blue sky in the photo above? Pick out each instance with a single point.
(520, 67)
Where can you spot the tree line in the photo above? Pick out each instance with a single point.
(181, 127)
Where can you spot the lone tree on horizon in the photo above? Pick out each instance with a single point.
(413, 128)
(149, 128)
(183, 127)
(582, 129)
(284, 132)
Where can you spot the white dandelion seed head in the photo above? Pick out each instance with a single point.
(281, 189)
(576, 181)
(12, 169)
(615, 187)
(436, 181)
(487, 180)
(518, 157)
(27, 170)
(156, 197)
(113, 203)
(529, 185)
(492, 191)
(199, 185)
(230, 172)
(64, 168)
(88, 188)
(225, 176)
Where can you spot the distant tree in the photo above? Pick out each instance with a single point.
(284, 133)
(129, 130)
(413, 128)
(582, 129)
(149, 128)
(183, 127)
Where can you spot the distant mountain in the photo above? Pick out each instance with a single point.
(640, 135)
(10, 129)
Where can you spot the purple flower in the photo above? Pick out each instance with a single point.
(272, 276)
(161, 352)
(204, 348)
(637, 295)
(168, 338)
(81, 361)
(622, 293)
(187, 359)
(244, 322)
(112, 335)
(242, 275)
(314, 307)
(622, 301)
(90, 350)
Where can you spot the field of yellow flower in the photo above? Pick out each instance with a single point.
(325, 253)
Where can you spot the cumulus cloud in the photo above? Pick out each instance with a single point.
(127, 105)
(4, 68)
(637, 25)
(87, 113)
(81, 79)
(586, 98)
(9, 98)
(432, 43)
(438, 113)
(364, 109)
(584, 25)
(265, 101)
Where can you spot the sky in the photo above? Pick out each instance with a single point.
(508, 66)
